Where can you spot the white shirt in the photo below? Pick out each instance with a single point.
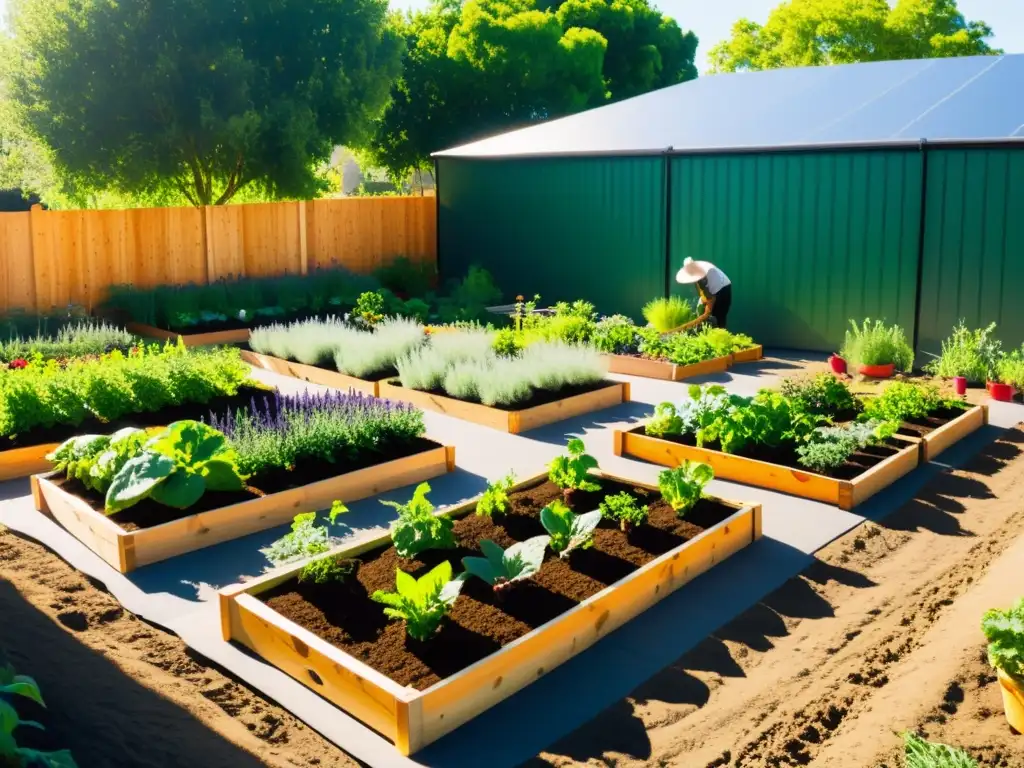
(715, 281)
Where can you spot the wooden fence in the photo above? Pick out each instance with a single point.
(55, 258)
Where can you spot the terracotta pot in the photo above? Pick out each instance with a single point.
(1000, 392)
(838, 364)
(878, 371)
(1013, 700)
(960, 385)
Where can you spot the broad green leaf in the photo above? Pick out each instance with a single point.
(451, 590)
(222, 476)
(481, 568)
(554, 521)
(181, 490)
(337, 509)
(405, 584)
(23, 685)
(492, 551)
(137, 479)
(524, 559)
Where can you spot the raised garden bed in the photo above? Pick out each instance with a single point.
(311, 373)
(545, 408)
(337, 642)
(236, 336)
(751, 355)
(142, 535)
(879, 466)
(942, 429)
(635, 365)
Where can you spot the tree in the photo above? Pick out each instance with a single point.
(203, 98)
(488, 66)
(818, 32)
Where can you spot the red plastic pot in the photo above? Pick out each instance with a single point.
(960, 385)
(838, 364)
(878, 371)
(1001, 392)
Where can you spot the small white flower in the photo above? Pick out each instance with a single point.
(241, 314)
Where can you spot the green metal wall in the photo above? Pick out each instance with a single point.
(973, 263)
(565, 228)
(808, 239)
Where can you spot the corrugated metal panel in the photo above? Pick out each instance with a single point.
(973, 265)
(588, 228)
(809, 240)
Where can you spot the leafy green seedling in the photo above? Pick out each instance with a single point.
(572, 472)
(568, 531)
(417, 528)
(12, 684)
(422, 603)
(924, 754)
(495, 498)
(501, 568)
(1004, 631)
(683, 486)
(624, 508)
(305, 539)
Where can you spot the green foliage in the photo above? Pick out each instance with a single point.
(469, 299)
(13, 686)
(975, 355)
(269, 94)
(683, 486)
(568, 531)
(417, 528)
(923, 754)
(370, 307)
(690, 347)
(175, 468)
(616, 335)
(95, 460)
(822, 395)
(572, 472)
(624, 508)
(1010, 369)
(901, 401)
(1004, 631)
(421, 603)
(665, 421)
(821, 32)
(875, 343)
(502, 568)
(495, 498)
(769, 419)
(407, 277)
(666, 315)
(829, 447)
(507, 343)
(305, 539)
(328, 570)
(47, 394)
(78, 340)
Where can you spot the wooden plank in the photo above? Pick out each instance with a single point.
(474, 412)
(748, 355)
(937, 441)
(22, 462)
(238, 336)
(303, 239)
(17, 270)
(270, 239)
(311, 373)
(459, 698)
(666, 371)
(880, 476)
(532, 418)
(90, 527)
(225, 239)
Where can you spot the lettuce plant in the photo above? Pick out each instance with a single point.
(625, 509)
(421, 603)
(1004, 631)
(175, 468)
(305, 539)
(503, 568)
(683, 486)
(572, 472)
(568, 531)
(665, 421)
(417, 528)
(495, 499)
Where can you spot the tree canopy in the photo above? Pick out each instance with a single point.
(485, 66)
(815, 32)
(195, 97)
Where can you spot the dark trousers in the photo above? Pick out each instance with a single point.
(720, 310)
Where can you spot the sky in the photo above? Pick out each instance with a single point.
(712, 20)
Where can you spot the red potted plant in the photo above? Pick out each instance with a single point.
(1007, 376)
(876, 349)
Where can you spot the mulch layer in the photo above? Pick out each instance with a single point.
(480, 623)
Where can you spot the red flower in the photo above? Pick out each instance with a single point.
(19, 363)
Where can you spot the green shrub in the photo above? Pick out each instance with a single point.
(1010, 369)
(78, 339)
(406, 277)
(901, 401)
(666, 315)
(971, 354)
(875, 343)
(625, 510)
(616, 335)
(822, 395)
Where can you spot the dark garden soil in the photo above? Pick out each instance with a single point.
(539, 397)
(61, 432)
(857, 464)
(931, 422)
(480, 623)
(148, 514)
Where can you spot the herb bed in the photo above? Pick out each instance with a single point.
(192, 339)
(315, 374)
(653, 368)
(335, 640)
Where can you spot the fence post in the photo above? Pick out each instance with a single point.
(303, 244)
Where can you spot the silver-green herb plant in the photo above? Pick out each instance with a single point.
(417, 528)
(421, 603)
(494, 500)
(364, 354)
(568, 531)
(973, 354)
(503, 568)
(683, 486)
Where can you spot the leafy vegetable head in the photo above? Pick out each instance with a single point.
(501, 568)
(665, 421)
(572, 472)
(568, 531)
(422, 603)
(495, 498)
(1004, 631)
(417, 528)
(683, 486)
(624, 508)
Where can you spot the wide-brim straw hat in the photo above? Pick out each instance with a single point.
(693, 271)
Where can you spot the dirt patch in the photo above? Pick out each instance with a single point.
(481, 622)
(881, 634)
(121, 692)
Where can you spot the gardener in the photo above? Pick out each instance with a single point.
(714, 288)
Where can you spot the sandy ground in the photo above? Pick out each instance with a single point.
(880, 635)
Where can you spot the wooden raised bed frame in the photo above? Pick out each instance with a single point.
(22, 462)
(239, 336)
(311, 373)
(751, 355)
(514, 422)
(936, 441)
(666, 371)
(128, 550)
(412, 719)
(846, 494)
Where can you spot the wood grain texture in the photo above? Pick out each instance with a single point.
(660, 369)
(937, 441)
(748, 355)
(311, 373)
(17, 272)
(22, 462)
(414, 719)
